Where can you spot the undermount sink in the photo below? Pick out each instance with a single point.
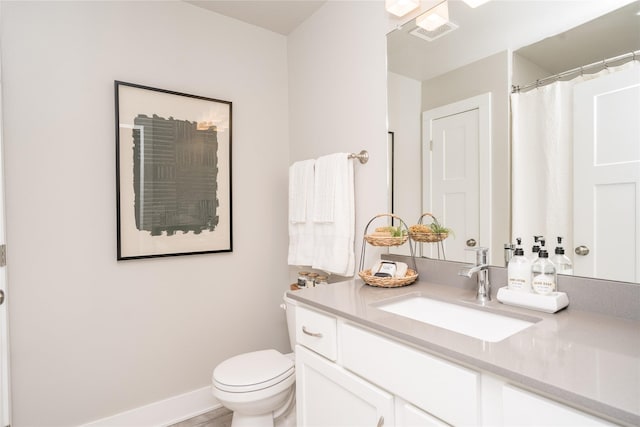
(469, 321)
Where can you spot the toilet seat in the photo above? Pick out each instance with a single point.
(253, 371)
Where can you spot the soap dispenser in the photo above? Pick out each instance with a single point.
(519, 270)
(543, 273)
(561, 261)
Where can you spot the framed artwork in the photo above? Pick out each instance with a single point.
(173, 173)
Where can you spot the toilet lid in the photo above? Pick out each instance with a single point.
(253, 371)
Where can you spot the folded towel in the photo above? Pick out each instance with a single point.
(326, 174)
(334, 216)
(301, 226)
(301, 178)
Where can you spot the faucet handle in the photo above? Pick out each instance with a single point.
(481, 254)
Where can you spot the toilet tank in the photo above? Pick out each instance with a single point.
(290, 309)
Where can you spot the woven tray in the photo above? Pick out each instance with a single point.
(418, 236)
(385, 241)
(428, 237)
(388, 282)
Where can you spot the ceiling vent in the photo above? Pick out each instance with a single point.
(435, 34)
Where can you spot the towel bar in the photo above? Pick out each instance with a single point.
(362, 156)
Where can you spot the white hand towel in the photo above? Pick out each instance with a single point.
(334, 228)
(301, 179)
(327, 169)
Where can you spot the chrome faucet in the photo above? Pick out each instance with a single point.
(482, 269)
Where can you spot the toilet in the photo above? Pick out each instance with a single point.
(259, 387)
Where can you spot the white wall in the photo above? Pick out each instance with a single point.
(404, 116)
(91, 337)
(337, 97)
(525, 71)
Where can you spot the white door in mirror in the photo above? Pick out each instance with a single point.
(456, 189)
(607, 175)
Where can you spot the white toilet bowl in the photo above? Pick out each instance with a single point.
(258, 386)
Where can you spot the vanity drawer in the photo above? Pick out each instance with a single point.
(444, 389)
(527, 409)
(316, 331)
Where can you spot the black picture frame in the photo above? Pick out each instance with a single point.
(173, 173)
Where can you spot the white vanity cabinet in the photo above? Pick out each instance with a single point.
(317, 331)
(408, 415)
(328, 395)
(523, 408)
(443, 389)
(348, 375)
(332, 391)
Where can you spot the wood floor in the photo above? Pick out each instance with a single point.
(220, 417)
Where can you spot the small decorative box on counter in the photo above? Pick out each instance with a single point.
(551, 303)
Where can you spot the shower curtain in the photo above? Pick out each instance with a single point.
(542, 161)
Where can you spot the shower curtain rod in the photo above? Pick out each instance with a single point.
(605, 62)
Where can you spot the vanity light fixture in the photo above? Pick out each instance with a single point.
(400, 7)
(434, 17)
(475, 3)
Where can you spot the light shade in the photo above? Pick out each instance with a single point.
(400, 7)
(475, 3)
(434, 18)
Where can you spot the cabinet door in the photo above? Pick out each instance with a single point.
(444, 389)
(408, 415)
(521, 408)
(328, 395)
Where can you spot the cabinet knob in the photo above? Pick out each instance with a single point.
(471, 243)
(380, 421)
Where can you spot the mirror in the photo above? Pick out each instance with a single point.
(480, 56)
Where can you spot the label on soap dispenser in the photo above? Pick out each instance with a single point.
(543, 284)
(517, 284)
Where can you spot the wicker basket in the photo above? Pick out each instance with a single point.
(388, 282)
(385, 241)
(428, 237)
(422, 237)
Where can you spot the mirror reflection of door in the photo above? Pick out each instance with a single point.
(455, 141)
(607, 175)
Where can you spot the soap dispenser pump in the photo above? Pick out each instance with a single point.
(543, 273)
(561, 261)
(533, 256)
(519, 270)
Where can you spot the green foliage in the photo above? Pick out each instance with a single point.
(437, 228)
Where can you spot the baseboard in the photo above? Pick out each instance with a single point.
(164, 412)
